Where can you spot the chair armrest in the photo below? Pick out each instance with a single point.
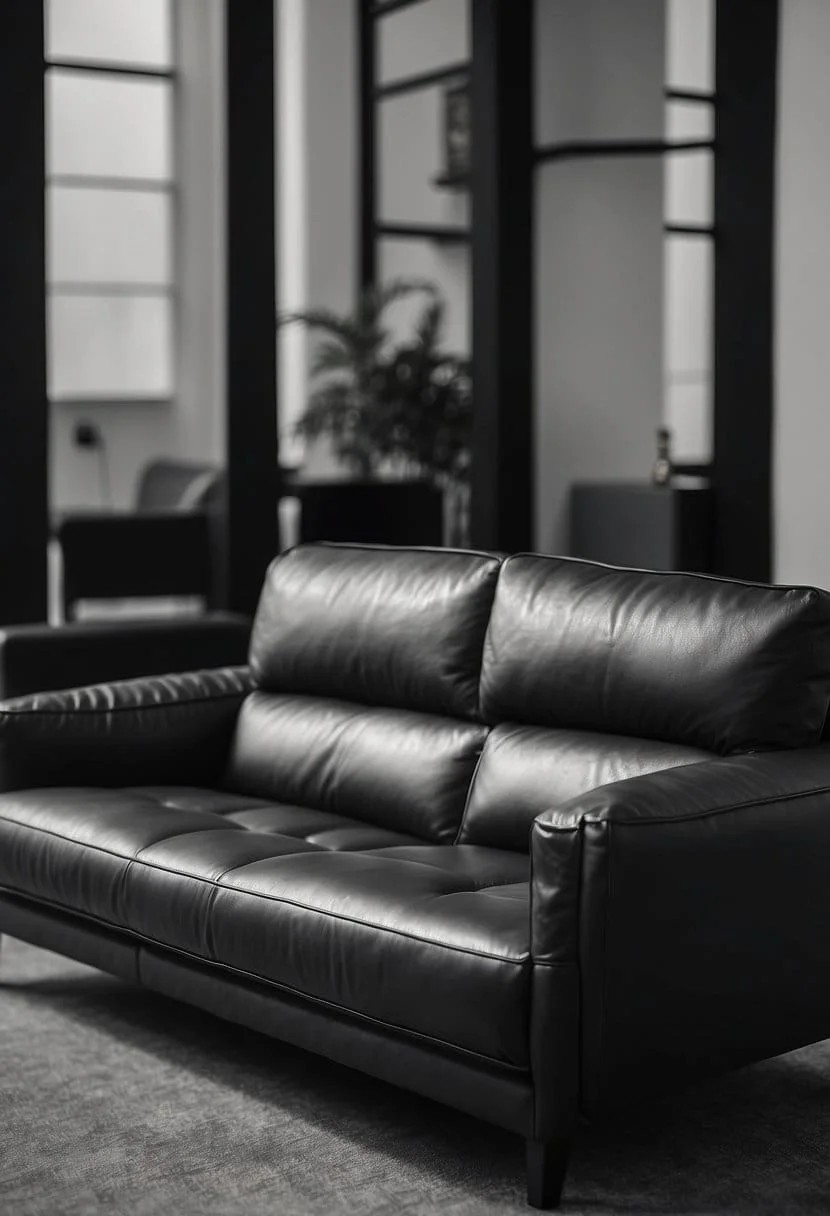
(696, 905)
(38, 657)
(159, 729)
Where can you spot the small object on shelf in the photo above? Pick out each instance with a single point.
(452, 181)
(457, 138)
(662, 469)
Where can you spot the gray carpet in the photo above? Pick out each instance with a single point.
(117, 1100)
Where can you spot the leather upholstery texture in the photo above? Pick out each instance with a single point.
(418, 937)
(692, 900)
(496, 1092)
(524, 770)
(396, 627)
(706, 662)
(408, 771)
(161, 728)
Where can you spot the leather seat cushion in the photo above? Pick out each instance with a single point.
(419, 937)
(525, 770)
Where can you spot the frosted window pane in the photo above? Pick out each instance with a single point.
(688, 414)
(110, 346)
(448, 267)
(120, 31)
(422, 38)
(689, 120)
(688, 296)
(690, 44)
(108, 236)
(599, 68)
(689, 185)
(406, 191)
(109, 125)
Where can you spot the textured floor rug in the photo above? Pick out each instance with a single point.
(114, 1099)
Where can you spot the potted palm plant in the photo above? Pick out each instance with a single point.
(396, 410)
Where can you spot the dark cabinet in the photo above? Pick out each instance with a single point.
(643, 525)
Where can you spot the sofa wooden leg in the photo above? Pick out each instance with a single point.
(547, 1163)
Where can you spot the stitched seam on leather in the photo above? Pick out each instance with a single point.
(72, 712)
(483, 888)
(718, 810)
(431, 865)
(603, 1026)
(261, 979)
(496, 577)
(517, 962)
(531, 1006)
(348, 544)
(711, 578)
(592, 817)
(470, 786)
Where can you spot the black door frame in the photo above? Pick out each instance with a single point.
(24, 413)
(253, 474)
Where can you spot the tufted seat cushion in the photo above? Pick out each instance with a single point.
(419, 937)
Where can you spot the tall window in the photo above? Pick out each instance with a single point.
(690, 237)
(110, 97)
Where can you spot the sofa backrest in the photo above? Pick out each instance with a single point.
(367, 664)
(592, 674)
(705, 662)
(387, 678)
(382, 626)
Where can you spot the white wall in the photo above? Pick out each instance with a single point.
(599, 255)
(689, 261)
(191, 426)
(316, 187)
(802, 304)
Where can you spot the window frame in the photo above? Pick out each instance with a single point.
(134, 185)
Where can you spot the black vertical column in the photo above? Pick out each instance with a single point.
(23, 405)
(252, 444)
(502, 448)
(367, 143)
(745, 85)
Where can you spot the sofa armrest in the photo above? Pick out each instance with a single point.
(38, 657)
(159, 729)
(695, 903)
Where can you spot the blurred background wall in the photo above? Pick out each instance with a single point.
(622, 283)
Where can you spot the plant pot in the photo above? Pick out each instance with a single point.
(371, 512)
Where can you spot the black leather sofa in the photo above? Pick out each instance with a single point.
(534, 837)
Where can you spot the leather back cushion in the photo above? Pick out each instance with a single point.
(704, 662)
(404, 770)
(524, 770)
(381, 626)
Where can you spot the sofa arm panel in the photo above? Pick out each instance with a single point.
(697, 904)
(171, 728)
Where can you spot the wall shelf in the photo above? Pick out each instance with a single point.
(440, 234)
(452, 181)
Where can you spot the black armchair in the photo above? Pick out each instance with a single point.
(166, 546)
